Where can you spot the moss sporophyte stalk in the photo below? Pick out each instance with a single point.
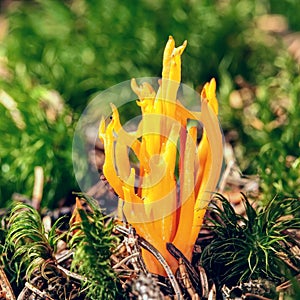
(166, 197)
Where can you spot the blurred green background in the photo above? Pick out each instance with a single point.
(56, 54)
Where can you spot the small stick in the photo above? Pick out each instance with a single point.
(186, 280)
(146, 245)
(120, 248)
(5, 286)
(72, 274)
(225, 176)
(119, 264)
(37, 193)
(23, 294)
(285, 259)
(178, 254)
(35, 290)
(212, 293)
(128, 242)
(250, 295)
(63, 257)
(122, 229)
(137, 248)
(131, 245)
(285, 285)
(116, 260)
(204, 282)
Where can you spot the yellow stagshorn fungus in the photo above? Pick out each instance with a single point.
(161, 207)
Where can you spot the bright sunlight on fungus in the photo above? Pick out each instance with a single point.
(166, 197)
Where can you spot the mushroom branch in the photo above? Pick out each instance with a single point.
(176, 175)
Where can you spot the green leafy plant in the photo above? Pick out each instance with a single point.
(26, 237)
(254, 246)
(93, 243)
(265, 124)
(278, 175)
(36, 129)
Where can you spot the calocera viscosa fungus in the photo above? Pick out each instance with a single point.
(165, 208)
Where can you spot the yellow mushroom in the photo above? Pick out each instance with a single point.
(153, 205)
